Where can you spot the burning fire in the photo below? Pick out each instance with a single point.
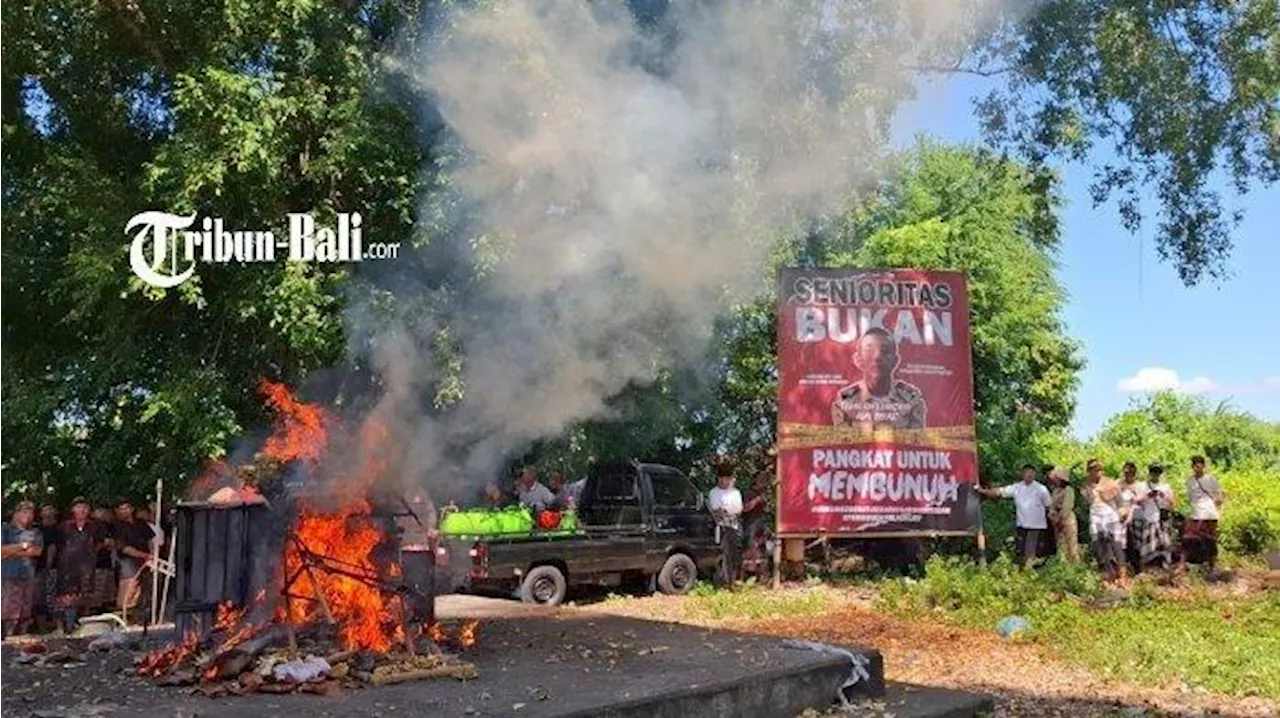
(467, 634)
(157, 662)
(361, 611)
(301, 430)
(465, 639)
(331, 542)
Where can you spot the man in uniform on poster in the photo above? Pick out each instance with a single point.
(878, 400)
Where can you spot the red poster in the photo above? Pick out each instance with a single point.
(875, 403)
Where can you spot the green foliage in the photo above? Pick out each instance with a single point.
(1178, 92)
(751, 602)
(233, 110)
(1227, 645)
(1243, 453)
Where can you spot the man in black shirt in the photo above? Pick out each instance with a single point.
(133, 544)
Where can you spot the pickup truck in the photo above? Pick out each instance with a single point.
(637, 522)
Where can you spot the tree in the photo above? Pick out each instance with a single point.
(245, 111)
(1182, 91)
(234, 110)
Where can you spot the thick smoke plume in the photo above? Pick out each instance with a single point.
(633, 177)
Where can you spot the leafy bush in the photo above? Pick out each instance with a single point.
(1251, 516)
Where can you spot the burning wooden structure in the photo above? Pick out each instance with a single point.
(310, 565)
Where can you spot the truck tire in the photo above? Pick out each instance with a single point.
(678, 575)
(544, 586)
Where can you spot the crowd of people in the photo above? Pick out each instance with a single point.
(57, 570)
(1132, 526)
(528, 490)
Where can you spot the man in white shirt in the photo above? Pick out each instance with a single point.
(533, 493)
(1031, 505)
(725, 503)
(1147, 533)
(1200, 536)
(1128, 503)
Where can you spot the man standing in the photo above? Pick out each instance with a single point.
(1200, 538)
(1146, 530)
(1132, 494)
(1106, 524)
(533, 493)
(77, 561)
(48, 571)
(1031, 502)
(19, 548)
(1062, 515)
(878, 400)
(725, 503)
(133, 546)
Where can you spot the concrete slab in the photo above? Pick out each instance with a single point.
(533, 661)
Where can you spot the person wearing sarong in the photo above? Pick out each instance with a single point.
(104, 574)
(77, 562)
(1132, 493)
(1146, 531)
(1062, 515)
(1031, 502)
(1106, 523)
(48, 566)
(1200, 536)
(20, 546)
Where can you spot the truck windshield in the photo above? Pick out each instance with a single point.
(672, 490)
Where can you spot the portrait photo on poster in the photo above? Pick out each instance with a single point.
(875, 403)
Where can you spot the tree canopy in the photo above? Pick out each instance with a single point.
(246, 111)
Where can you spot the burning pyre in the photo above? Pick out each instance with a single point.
(332, 602)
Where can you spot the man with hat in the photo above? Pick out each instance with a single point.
(1062, 515)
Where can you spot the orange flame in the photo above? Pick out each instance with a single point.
(301, 429)
(437, 633)
(360, 610)
(228, 615)
(467, 634)
(161, 660)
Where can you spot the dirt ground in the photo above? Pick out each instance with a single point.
(1027, 680)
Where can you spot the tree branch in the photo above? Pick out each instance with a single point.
(959, 70)
(132, 17)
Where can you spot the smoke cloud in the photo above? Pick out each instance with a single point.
(629, 180)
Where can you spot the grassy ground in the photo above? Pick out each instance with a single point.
(1201, 637)
(1193, 650)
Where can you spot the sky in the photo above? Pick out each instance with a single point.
(1141, 328)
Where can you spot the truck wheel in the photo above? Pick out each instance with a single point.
(544, 585)
(678, 575)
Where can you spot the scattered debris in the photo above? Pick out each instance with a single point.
(1010, 626)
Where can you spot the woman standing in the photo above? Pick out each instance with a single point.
(21, 543)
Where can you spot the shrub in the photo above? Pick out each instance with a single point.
(1251, 516)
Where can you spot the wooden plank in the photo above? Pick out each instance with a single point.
(234, 556)
(215, 555)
